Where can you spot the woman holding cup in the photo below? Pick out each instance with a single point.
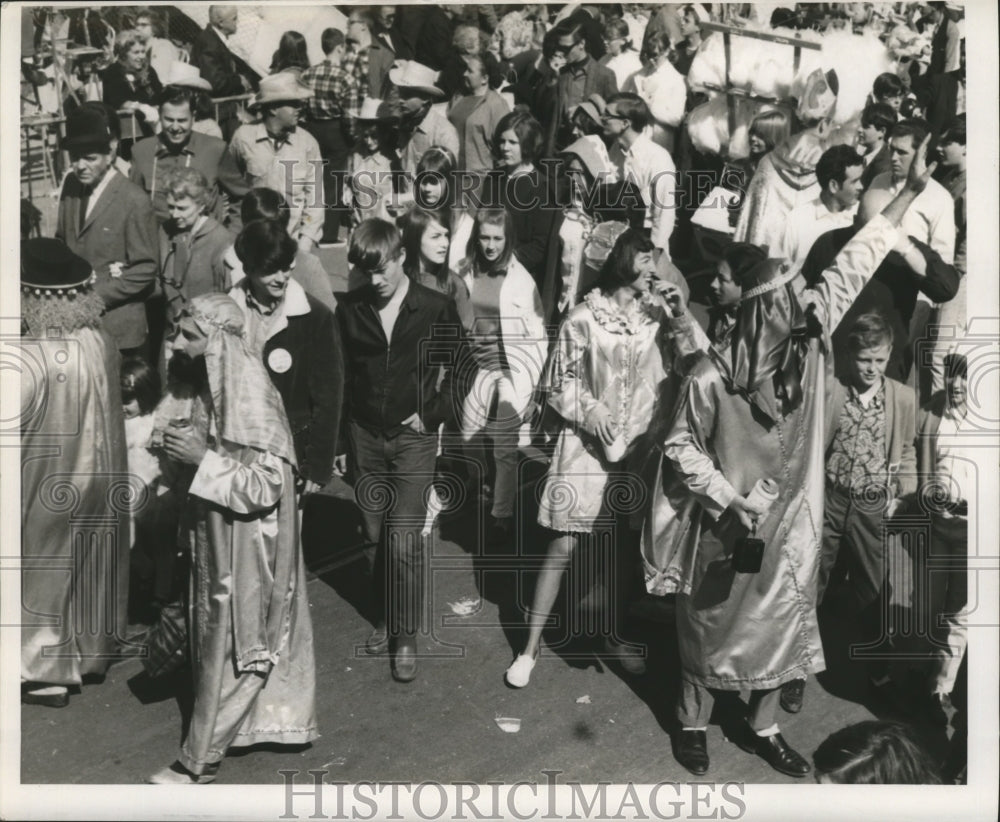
(613, 351)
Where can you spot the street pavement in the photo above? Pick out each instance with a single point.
(581, 715)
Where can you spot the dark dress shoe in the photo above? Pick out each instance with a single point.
(792, 694)
(404, 662)
(691, 750)
(775, 752)
(378, 642)
(60, 700)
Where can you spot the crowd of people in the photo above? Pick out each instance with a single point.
(515, 193)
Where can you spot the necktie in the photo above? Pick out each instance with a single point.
(84, 202)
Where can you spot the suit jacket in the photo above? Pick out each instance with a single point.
(880, 164)
(120, 230)
(900, 430)
(388, 380)
(303, 358)
(152, 161)
(216, 63)
(380, 59)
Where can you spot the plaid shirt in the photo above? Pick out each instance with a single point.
(355, 63)
(334, 90)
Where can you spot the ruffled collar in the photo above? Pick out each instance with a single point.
(629, 319)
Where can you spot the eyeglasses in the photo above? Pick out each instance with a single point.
(610, 115)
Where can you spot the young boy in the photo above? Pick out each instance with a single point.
(870, 467)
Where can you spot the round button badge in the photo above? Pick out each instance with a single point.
(279, 360)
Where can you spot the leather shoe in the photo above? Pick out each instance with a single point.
(404, 661)
(775, 752)
(792, 694)
(378, 642)
(691, 750)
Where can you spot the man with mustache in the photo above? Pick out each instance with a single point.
(251, 656)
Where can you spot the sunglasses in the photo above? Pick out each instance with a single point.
(610, 115)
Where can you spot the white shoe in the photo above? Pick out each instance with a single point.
(177, 774)
(519, 672)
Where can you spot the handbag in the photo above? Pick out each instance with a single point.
(167, 641)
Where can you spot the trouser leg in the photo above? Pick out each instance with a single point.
(763, 708)
(412, 458)
(694, 705)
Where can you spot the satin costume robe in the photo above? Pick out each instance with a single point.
(756, 631)
(609, 357)
(75, 501)
(251, 634)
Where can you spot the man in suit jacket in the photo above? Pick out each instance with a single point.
(580, 78)
(397, 337)
(218, 65)
(108, 220)
(387, 46)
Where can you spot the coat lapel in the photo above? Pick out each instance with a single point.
(103, 201)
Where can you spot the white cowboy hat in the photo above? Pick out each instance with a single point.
(373, 110)
(184, 74)
(413, 75)
(279, 88)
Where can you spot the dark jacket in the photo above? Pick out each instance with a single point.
(892, 292)
(117, 90)
(304, 361)
(120, 229)
(216, 63)
(202, 152)
(880, 164)
(387, 381)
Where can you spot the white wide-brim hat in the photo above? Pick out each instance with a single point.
(186, 75)
(413, 75)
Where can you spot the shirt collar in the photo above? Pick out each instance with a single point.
(263, 136)
(866, 397)
(222, 35)
(162, 149)
(98, 189)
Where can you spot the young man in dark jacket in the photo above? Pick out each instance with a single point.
(397, 337)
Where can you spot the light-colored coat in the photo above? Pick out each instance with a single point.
(525, 342)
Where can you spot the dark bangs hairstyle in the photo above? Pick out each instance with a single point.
(140, 383)
(619, 269)
(374, 243)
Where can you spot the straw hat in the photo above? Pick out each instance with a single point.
(279, 88)
(415, 76)
(186, 75)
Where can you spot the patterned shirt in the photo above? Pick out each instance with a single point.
(857, 456)
(334, 90)
(355, 63)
